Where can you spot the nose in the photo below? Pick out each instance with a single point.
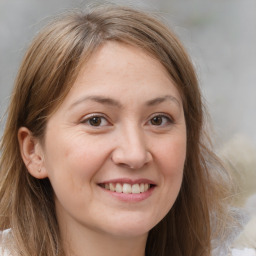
(131, 150)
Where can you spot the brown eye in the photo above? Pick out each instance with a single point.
(95, 121)
(157, 120)
(161, 120)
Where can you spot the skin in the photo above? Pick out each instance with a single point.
(125, 89)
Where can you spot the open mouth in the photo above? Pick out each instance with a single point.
(127, 188)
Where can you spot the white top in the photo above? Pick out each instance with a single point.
(5, 253)
(234, 252)
(3, 234)
(244, 252)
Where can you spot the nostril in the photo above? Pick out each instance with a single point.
(127, 166)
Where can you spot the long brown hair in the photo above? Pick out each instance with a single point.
(47, 73)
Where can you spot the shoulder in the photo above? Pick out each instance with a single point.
(3, 235)
(244, 252)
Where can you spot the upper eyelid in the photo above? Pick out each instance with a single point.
(88, 116)
(163, 115)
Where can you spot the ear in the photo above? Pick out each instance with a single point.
(31, 153)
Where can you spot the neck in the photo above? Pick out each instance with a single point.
(87, 242)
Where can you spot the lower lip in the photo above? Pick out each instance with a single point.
(130, 197)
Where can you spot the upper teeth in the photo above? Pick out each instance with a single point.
(127, 188)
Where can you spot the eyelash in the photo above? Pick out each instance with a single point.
(99, 117)
(168, 119)
(90, 118)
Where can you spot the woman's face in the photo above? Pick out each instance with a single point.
(115, 149)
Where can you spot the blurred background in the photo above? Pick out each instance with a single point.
(220, 36)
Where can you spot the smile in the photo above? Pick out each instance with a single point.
(127, 188)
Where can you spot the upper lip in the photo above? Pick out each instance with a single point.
(129, 181)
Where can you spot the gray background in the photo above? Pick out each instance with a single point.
(220, 36)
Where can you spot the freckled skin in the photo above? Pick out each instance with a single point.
(79, 156)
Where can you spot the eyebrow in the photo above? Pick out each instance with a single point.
(159, 100)
(115, 103)
(98, 99)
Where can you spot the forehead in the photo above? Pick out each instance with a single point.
(123, 64)
(122, 72)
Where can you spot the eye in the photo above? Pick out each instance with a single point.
(160, 120)
(95, 120)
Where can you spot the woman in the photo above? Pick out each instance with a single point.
(103, 151)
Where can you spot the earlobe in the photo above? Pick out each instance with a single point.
(31, 153)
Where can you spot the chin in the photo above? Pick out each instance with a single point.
(132, 227)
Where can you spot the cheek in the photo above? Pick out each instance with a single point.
(172, 155)
(171, 160)
(74, 158)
